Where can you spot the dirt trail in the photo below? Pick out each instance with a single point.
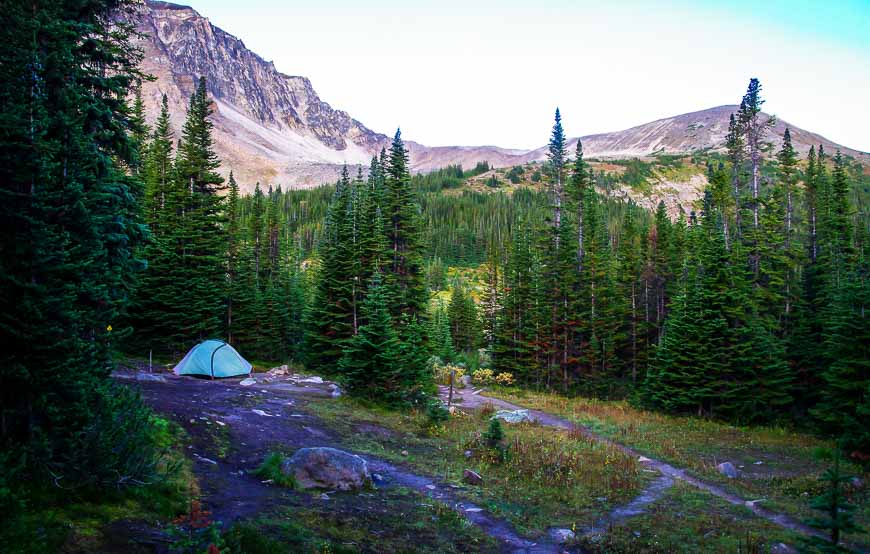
(232, 428)
(467, 399)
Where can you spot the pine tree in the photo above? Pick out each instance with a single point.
(70, 227)
(404, 279)
(233, 246)
(201, 240)
(373, 364)
(158, 170)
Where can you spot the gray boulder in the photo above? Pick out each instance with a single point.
(513, 416)
(727, 469)
(327, 468)
(465, 381)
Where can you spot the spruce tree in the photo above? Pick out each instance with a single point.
(70, 229)
(404, 279)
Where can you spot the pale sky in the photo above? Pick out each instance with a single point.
(472, 72)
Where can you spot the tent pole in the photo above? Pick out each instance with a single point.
(212, 358)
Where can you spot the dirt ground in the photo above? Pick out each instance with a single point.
(232, 428)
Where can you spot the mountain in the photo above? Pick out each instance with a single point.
(702, 130)
(274, 128)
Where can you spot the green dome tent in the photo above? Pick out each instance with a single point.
(213, 358)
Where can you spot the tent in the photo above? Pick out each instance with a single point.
(213, 358)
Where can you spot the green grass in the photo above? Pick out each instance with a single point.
(786, 479)
(547, 478)
(271, 469)
(688, 520)
(398, 520)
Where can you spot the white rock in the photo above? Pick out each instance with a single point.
(561, 536)
(513, 416)
(248, 382)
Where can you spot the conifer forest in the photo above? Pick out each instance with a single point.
(512, 352)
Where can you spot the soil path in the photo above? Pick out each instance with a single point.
(232, 428)
(468, 399)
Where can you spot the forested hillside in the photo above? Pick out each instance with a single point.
(744, 304)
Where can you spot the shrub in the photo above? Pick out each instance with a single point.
(495, 434)
(483, 376)
(505, 379)
(536, 176)
(436, 413)
(271, 469)
(442, 371)
(123, 445)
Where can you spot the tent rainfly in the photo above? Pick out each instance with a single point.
(213, 358)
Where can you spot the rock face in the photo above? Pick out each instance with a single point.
(267, 126)
(327, 468)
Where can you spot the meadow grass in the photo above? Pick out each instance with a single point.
(785, 480)
(536, 478)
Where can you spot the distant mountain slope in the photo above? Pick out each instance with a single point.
(702, 130)
(274, 128)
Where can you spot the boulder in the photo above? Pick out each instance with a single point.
(727, 469)
(472, 477)
(465, 381)
(327, 468)
(313, 380)
(513, 416)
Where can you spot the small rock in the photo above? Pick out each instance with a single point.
(752, 503)
(248, 382)
(261, 413)
(856, 483)
(314, 380)
(513, 416)
(643, 460)
(377, 478)
(431, 487)
(727, 469)
(324, 496)
(782, 548)
(468, 454)
(221, 423)
(561, 536)
(758, 463)
(472, 477)
(404, 452)
(474, 509)
(205, 460)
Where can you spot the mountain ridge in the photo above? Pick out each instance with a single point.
(271, 127)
